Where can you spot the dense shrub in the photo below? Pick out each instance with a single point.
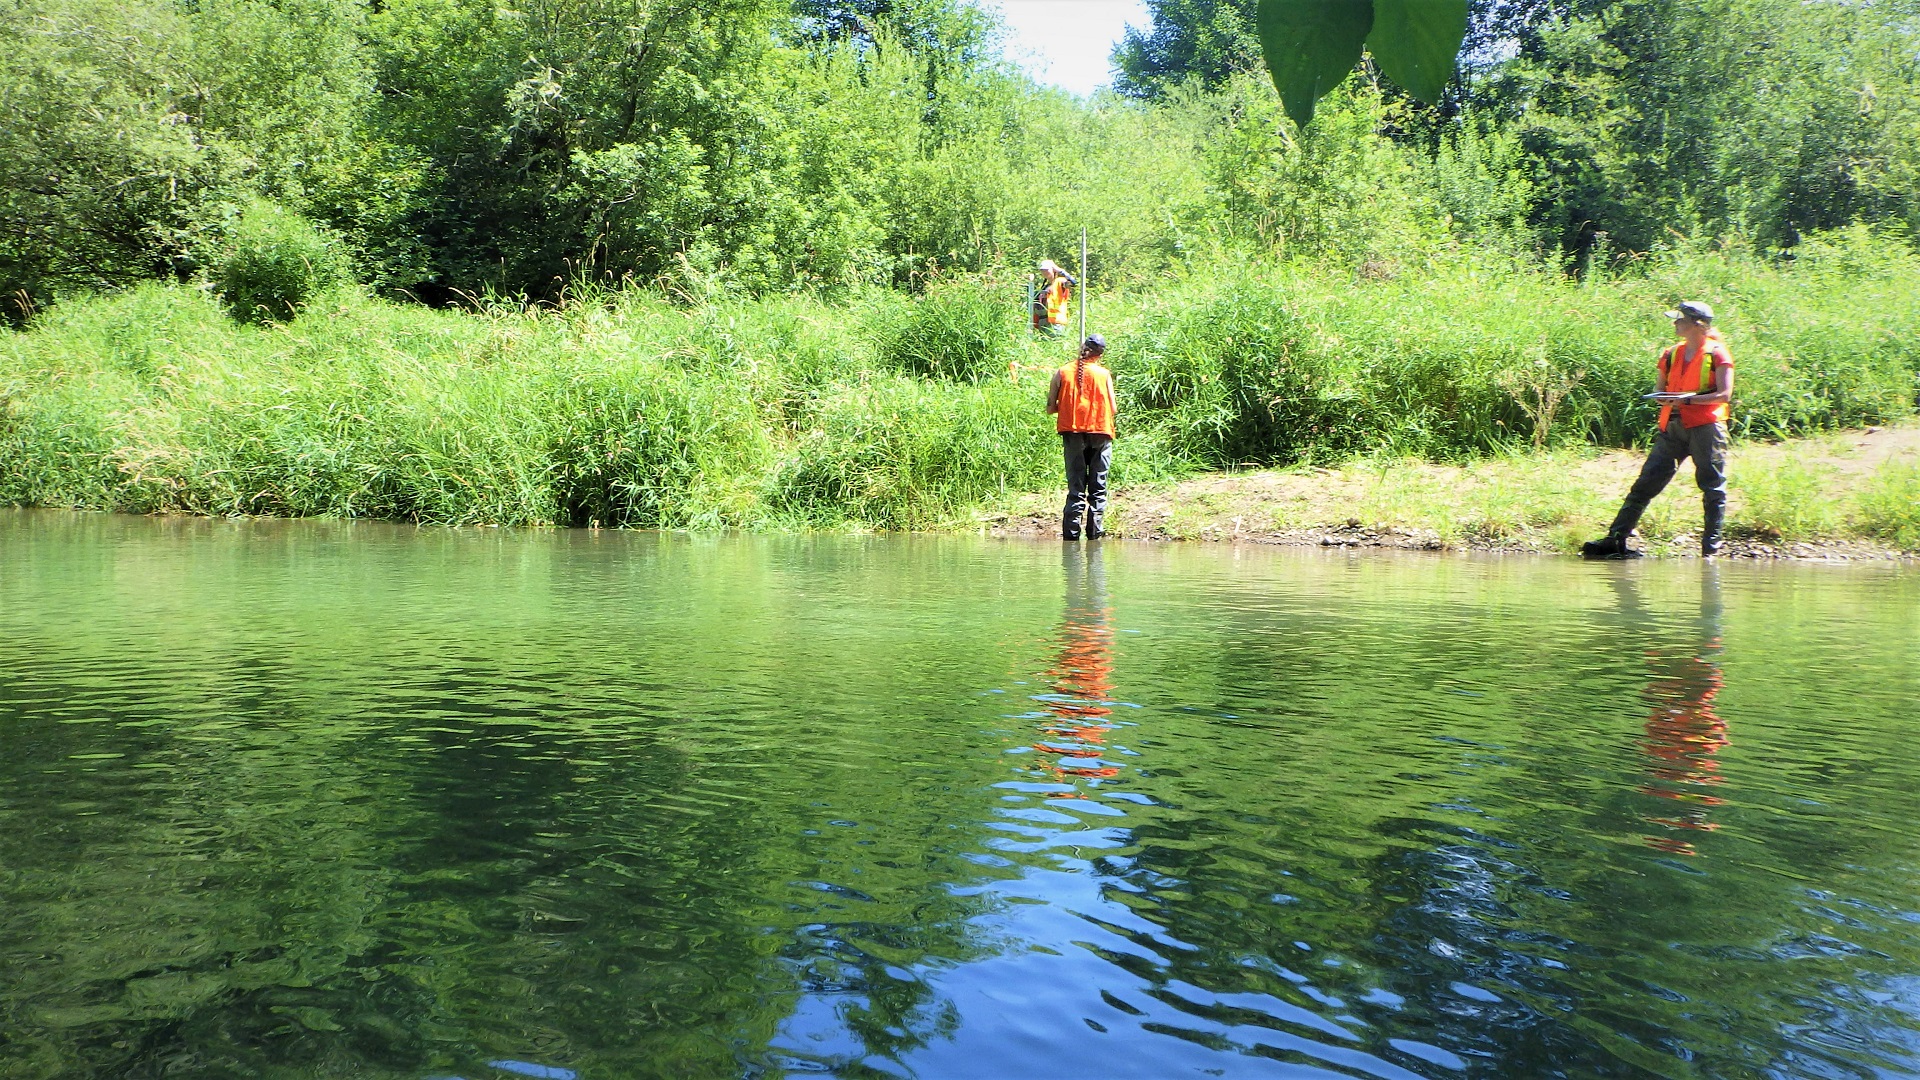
(271, 262)
(1278, 369)
(1826, 343)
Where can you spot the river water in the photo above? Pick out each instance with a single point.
(344, 799)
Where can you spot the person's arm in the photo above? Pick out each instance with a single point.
(1113, 395)
(1722, 387)
(1053, 393)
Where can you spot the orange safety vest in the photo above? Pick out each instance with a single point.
(1087, 408)
(1055, 297)
(1683, 374)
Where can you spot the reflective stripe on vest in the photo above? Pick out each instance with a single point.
(1086, 407)
(1693, 375)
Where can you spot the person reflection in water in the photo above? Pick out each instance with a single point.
(1074, 734)
(1684, 733)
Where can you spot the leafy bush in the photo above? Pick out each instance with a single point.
(1279, 369)
(1824, 342)
(1226, 379)
(272, 261)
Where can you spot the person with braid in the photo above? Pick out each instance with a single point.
(1081, 398)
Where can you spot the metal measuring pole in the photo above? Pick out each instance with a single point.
(1083, 291)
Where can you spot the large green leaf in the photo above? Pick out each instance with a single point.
(1310, 45)
(1415, 43)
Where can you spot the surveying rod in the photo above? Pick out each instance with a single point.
(1083, 291)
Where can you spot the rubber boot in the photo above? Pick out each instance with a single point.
(1614, 544)
(1711, 528)
(1610, 546)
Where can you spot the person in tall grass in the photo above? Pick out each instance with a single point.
(1053, 298)
(1695, 391)
(1081, 399)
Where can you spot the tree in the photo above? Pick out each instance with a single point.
(127, 120)
(1765, 117)
(1191, 41)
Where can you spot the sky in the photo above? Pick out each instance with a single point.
(1066, 43)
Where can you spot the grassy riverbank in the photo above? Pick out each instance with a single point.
(1847, 495)
(889, 412)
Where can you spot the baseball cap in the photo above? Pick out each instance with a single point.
(1692, 311)
(1099, 343)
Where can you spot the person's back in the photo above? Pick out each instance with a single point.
(1082, 401)
(1085, 398)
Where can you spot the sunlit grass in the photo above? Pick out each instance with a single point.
(885, 411)
(1889, 507)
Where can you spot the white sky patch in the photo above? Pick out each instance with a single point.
(1067, 43)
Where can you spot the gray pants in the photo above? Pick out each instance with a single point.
(1089, 456)
(1706, 445)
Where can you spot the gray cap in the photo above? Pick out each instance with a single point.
(1692, 311)
(1098, 343)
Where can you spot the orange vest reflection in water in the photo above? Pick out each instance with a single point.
(1081, 679)
(1683, 734)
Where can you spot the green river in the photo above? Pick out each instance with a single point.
(336, 799)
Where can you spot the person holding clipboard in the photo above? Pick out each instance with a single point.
(1695, 390)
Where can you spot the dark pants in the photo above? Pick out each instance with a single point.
(1089, 456)
(1706, 445)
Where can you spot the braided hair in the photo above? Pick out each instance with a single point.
(1094, 344)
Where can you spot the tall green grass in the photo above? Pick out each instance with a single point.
(634, 414)
(886, 411)
(1470, 355)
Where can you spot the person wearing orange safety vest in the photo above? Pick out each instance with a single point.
(1053, 299)
(1694, 391)
(1081, 398)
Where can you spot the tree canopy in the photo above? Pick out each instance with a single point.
(453, 147)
